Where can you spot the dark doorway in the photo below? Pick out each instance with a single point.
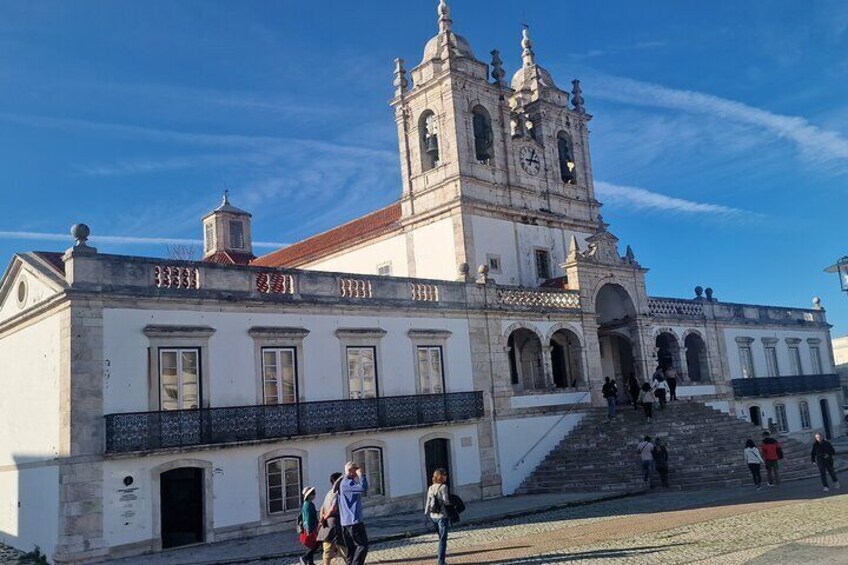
(182, 506)
(756, 416)
(825, 410)
(437, 455)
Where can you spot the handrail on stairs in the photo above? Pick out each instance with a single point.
(547, 433)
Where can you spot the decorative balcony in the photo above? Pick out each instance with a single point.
(779, 386)
(147, 431)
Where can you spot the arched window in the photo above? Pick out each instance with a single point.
(804, 408)
(283, 482)
(567, 166)
(780, 416)
(370, 460)
(429, 137)
(483, 136)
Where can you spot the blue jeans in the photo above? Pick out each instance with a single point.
(646, 469)
(442, 526)
(611, 407)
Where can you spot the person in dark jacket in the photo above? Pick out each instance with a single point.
(633, 389)
(610, 392)
(770, 450)
(822, 455)
(661, 461)
(329, 526)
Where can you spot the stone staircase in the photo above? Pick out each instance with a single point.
(705, 451)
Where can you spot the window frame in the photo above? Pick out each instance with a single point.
(267, 518)
(746, 365)
(816, 363)
(429, 338)
(242, 243)
(428, 163)
(772, 362)
(566, 138)
(180, 384)
(209, 235)
(428, 349)
(795, 362)
(177, 337)
(372, 446)
(548, 257)
(359, 338)
(780, 417)
(483, 112)
(278, 337)
(295, 373)
(804, 413)
(384, 265)
(497, 258)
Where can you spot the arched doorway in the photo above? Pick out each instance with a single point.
(567, 360)
(668, 351)
(181, 505)
(527, 369)
(696, 358)
(437, 456)
(756, 416)
(824, 405)
(617, 335)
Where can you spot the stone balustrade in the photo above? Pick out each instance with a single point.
(539, 298)
(675, 307)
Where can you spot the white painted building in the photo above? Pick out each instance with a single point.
(152, 403)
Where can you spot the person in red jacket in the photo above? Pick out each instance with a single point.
(770, 450)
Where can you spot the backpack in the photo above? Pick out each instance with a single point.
(457, 507)
(434, 504)
(299, 526)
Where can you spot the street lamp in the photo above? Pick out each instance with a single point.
(840, 267)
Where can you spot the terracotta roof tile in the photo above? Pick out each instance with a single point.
(230, 258)
(356, 231)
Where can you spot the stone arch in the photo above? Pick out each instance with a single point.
(156, 496)
(483, 134)
(565, 157)
(697, 358)
(615, 300)
(524, 350)
(422, 441)
(574, 328)
(524, 325)
(668, 349)
(567, 359)
(428, 139)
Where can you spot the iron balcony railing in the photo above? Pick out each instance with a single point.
(776, 386)
(146, 431)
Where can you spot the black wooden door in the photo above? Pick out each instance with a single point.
(825, 411)
(437, 455)
(756, 417)
(182, 506)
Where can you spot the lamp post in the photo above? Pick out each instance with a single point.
(840, 267)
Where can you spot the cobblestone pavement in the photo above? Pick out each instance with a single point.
(795, 523)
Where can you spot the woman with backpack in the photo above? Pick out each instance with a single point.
(437, 507)
(754, 461)
(647, 399)
(308, 527)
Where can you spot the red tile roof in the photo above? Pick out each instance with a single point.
(53, 259)
(356, 231)
(230, 258)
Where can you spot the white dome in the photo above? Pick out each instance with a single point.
(434, 47)
(522, 79)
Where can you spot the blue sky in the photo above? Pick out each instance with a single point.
(719, 143)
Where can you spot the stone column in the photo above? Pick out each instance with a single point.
(548, 366)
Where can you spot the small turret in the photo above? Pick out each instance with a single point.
(227, 234)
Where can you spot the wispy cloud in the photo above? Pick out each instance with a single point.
(119, 239)
(816, 144)
(643, 199)
(616, 49)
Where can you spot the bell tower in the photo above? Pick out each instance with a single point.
(226, 232)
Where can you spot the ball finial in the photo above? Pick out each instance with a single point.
(80, 232)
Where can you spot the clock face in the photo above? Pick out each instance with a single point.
(530, 160)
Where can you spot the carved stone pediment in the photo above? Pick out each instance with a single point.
(602, 248)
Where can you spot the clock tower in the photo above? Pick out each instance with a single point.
(508, 164)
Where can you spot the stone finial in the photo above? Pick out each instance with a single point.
(482, 274)
(498, 72)
(629, 255)
(709, 293)
(528, 57)
(444, 17)
(80, 232)
(401, 83)
(225, 200)
(699, 292)
(464, 269)
(573, 248)
(817, 303)
(577, 97)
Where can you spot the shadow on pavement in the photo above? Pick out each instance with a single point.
(455, 554)
(594, 554)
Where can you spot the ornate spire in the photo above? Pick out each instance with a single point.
(577, 97)
(498, 72)
(444, 17)
(573, 248)
(527, 54)
(401, 83)
(225, 201)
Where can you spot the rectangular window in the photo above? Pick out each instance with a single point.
(771, 361)
(283, 480)
(815, 357)
(236, 234)
(805, 414)
(362, 372)
(370, 460)
(780, 415)
(795, 360)
(279, 375)
(385, 269)
(543, 264)
(209, 236)
(430, 370)
(494, 262)
(747, 360)
(179, 379)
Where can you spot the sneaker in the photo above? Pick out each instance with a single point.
(825, 489)
(770, 485)
(759, 487)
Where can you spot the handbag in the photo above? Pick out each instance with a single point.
(309, 539)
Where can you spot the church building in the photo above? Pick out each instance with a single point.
(155, 403)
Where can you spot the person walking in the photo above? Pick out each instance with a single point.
(822, 455)
(771, 451)
(660, 454)
(436, 506)
(671, 379)
(660, 388)
(309, 522)
(329, 527)
(645, 449)
(610, 392)
(647, 399)
(754, 460)
(633, 390)
(353, 485)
